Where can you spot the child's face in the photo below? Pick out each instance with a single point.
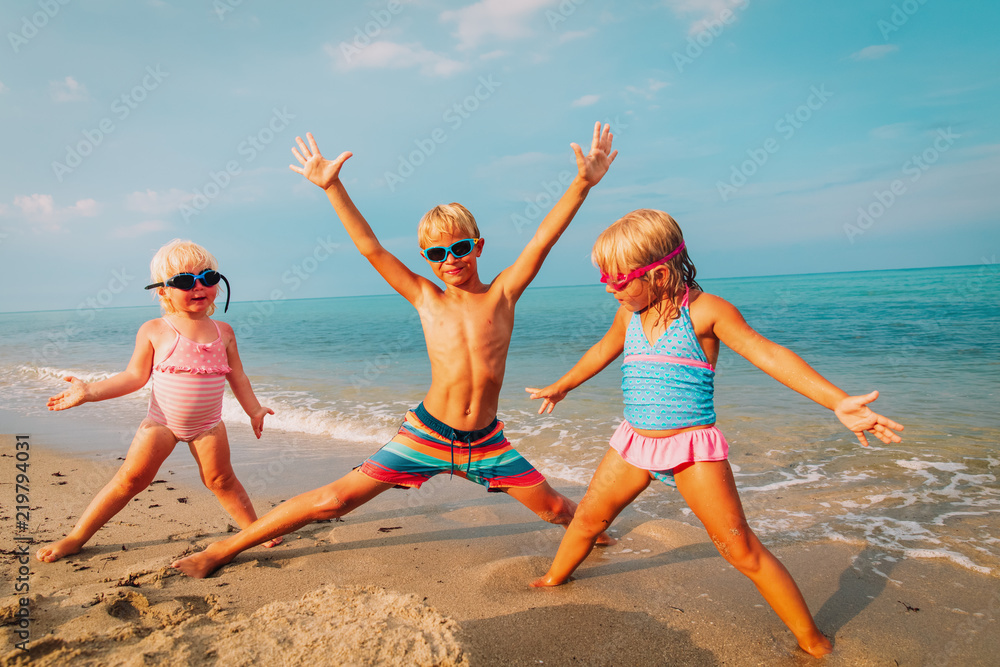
(454, 271)
(634, 296)
(195, 301)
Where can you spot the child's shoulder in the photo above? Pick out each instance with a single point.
(705, 305)
(226, 331)
(154, 325)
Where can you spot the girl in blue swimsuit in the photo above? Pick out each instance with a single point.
(670, 331)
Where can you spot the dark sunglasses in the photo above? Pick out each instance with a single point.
(458, 249)
(187, 281)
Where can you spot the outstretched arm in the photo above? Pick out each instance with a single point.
(326, 174)
(133, 378)
(792, 371)
(593, 361)
(590, 170)
(240, 384)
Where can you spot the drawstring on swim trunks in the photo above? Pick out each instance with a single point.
(467, 439)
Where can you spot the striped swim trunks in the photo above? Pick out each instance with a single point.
(425, 447)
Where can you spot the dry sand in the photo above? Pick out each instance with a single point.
(440, 577)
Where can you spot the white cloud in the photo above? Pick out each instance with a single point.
(35, 205)
(67, 90)
(492, 55)
(139, 229)
(706, 11)
(570, 35)
(390, 55)
(874, 52)
(892, 131)
(3, 88)
(649, 90)
(42, 209)
(157, 203)
(504, 19)
(585, 101)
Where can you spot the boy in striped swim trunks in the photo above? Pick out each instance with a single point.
(467, 327)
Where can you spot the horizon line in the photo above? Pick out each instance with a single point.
(357, 296)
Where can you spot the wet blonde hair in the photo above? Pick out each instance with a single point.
(446, 219)
(640, 238)
(179, 256)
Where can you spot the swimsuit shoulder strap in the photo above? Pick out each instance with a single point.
(173, 347)
(169, 324)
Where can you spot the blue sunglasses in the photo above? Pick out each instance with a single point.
(187, 281)
(458, 249)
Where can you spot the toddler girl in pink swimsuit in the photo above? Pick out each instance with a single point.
(189, 357)
(670, 332)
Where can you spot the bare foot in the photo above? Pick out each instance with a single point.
(548, 581)
(817, 647)
(273, 542)
(200, 565)
(605, 540)
(50, 553)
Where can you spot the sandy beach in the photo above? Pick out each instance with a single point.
(440, 577)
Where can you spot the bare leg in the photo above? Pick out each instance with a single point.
(211, 451)
(551, 506)
(614, 486)
(710, 492)
(327, 502)
(150, 447)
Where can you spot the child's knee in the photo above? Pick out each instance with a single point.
(740, 548)
(131, 483)
(557, 509)
(219, 481)
(329, 506)
(588, 522)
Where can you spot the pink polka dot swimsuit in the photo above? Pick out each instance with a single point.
(188, 385)
(670, 384)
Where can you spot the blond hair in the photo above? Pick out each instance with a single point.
(447, 219)
(179, 256)
(640, 238)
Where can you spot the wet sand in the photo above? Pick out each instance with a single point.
(439, 577)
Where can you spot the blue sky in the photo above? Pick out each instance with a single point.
(785, 136)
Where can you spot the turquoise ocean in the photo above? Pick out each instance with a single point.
(341, 372)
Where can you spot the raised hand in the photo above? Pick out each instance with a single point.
(315, 167)
(853, 412)
(595, 164)
(549, 395)
(72, 397)
(257, 421)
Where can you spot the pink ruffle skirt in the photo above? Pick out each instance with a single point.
(705, 444)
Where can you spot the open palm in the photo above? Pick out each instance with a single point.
(595, 164)
(315, 167)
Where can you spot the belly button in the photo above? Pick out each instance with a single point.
(468, 411)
